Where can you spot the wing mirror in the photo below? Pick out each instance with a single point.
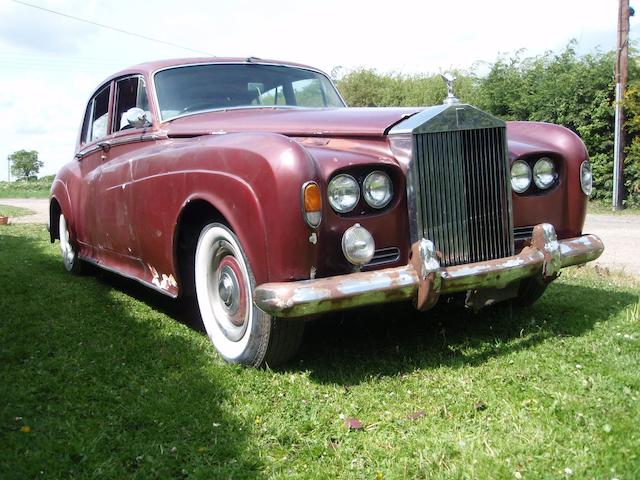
(136, 118)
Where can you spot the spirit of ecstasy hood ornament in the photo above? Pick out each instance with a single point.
(451, 98)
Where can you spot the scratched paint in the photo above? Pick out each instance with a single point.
(162, 281)
(293, 299)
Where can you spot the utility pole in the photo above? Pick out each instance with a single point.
(621, 74)
(8, 168)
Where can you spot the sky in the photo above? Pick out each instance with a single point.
(50, 64)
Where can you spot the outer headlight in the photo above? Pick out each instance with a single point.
(586, 178)
(520, 176)
(377, 189)
(343, 192)
(544, 173)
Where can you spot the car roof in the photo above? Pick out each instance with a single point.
(150, 67)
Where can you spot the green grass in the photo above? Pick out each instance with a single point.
(100, 378)
(26, 189)
(597, 207)
(9, 211)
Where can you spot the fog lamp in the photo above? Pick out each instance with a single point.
(358, 245)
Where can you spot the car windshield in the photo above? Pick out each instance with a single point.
(198, 88)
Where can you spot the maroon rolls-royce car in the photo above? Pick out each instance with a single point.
(249, 185)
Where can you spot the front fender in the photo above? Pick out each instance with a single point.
(253, 179)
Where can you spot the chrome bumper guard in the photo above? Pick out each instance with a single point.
(423, 280)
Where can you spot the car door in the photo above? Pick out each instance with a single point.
(90, 156)
(118, 240)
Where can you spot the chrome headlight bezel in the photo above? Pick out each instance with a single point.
(551, 174)
(333, 196)
(366, 189)
(527, 175)
(586, 178)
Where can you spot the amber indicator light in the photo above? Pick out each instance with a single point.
(312, 199)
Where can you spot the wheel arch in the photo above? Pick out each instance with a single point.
(196, 213)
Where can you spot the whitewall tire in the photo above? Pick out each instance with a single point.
(70, 258)
(224, 285)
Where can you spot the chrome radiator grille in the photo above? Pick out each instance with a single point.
(463, 202)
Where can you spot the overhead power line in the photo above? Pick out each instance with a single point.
(115, 29)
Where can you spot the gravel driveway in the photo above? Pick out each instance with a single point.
(620, 233)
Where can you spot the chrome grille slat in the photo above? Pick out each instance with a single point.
(464, 204)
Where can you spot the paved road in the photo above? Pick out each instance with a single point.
(38, 205)
(621, 237)
(620, 233)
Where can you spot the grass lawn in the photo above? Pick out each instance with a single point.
(9, 211)
(100, 378)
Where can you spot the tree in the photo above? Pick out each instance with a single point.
(25, 164)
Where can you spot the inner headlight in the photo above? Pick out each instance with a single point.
(377, 189)
(344, 193)
(544, 173)
(520, 176)
(586, 178)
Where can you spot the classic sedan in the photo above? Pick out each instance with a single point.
(249, 186)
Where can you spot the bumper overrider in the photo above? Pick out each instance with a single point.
(423, 280)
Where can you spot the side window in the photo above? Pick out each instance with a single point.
(99, 115)
(131, 92)
(309, 92)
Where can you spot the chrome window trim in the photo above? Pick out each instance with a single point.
(267, 64)
(123, 140)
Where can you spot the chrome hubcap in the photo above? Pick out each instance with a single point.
(229, 297)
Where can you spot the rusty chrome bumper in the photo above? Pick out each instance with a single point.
(423, 280)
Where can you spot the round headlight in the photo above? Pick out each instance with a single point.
(377, 189)
(520, 176)
(344, 193)
(358, 245)
(586, 178)
(544, 173)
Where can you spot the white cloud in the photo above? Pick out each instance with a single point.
(49, 64)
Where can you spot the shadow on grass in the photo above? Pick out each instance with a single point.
(348, 347)
(394, 339)
(106, 386)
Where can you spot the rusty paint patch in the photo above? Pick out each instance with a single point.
(164, 281)
(419, 281)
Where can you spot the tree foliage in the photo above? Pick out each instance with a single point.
(564, 88)
(25, 164)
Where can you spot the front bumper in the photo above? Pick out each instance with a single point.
(423, 280)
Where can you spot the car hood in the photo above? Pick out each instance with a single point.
(291, 121)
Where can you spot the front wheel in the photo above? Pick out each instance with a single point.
(224, 285)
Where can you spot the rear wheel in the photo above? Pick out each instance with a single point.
(224, 284)
(70, 258)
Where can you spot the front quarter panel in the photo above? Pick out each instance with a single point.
(253, 179)
(564, 205)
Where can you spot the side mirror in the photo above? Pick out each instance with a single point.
(135, 118)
